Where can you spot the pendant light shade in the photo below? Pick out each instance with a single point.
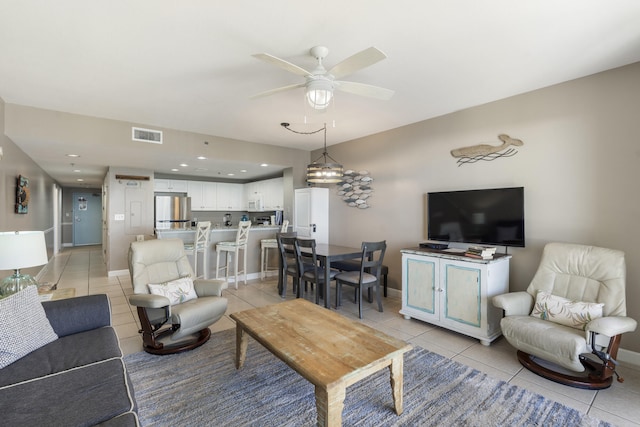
(324, 173)
(325, 169)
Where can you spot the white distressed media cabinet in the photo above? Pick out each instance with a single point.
(454, 291)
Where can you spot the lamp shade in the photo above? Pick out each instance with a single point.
(22, 249)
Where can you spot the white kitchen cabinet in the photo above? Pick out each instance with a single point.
(252, 192)
(273, 193)
(203, 195)
(268, 194)
(229, 196)
(454, 291)
(170, 185)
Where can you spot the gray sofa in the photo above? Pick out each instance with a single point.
(80, 379)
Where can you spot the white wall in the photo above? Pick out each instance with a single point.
(580, 166)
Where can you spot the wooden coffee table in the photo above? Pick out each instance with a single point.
(327, 349)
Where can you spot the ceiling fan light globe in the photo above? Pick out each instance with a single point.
(319, 99)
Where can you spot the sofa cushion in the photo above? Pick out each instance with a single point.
(576, 314)
(79, 397)
(25, 326)
(72, 315)
(178, 291)
(65, 353)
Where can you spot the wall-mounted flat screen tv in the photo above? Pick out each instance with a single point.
(485, 217)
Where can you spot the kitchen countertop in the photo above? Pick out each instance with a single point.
(218, 229)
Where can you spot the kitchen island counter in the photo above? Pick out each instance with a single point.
(228, 234)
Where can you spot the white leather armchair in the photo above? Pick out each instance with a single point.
(166, 327)
(589, 276)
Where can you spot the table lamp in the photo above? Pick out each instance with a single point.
(20, 249)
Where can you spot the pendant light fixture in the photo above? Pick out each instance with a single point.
(325, 171)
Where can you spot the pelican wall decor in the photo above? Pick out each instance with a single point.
(487, 152)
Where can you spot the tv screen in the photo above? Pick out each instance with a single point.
(489, 217)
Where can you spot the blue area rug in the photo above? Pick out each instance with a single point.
(203, 388)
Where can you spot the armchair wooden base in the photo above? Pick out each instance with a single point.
(151, 337)
(597, 376)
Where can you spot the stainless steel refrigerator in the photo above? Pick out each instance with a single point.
(172, 212)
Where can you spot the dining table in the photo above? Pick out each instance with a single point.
(326, 254)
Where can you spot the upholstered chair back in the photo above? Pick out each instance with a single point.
(157, 261)
(583, 273)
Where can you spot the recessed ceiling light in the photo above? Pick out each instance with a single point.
(73, 155)
(174, 170)
(184, 165)
(80, 180)
(77, 170)
(264, 165)
(243, 171)
(230, 174)
(201, 158)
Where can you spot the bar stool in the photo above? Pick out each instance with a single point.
(200, 246)
(265, 245)
(234, 247)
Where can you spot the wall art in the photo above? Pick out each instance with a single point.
(355, 188)
(22, 195)
(487, 152)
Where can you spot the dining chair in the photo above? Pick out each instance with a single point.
(368, 276)
(308, 269)
(286, 247)
(200, 246)
(234, 248)
(265, 245)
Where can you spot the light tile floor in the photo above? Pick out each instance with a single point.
(83, 269)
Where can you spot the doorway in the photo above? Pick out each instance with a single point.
(87, 219)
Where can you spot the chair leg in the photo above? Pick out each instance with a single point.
(205, 263)
(385, 285)
(217, 264)
(235, 265)
(262, 256)
(195, 262)
(378, 297)
(359, 289)
(244, 268)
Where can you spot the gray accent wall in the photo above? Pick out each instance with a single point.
(40, 216)
(579, 165)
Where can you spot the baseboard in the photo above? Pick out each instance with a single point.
(396, 293)
(118, 273)
(628, 356)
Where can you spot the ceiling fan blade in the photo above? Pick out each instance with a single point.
(365, 90)
(357, 62)
(285, 65)
(276, 90)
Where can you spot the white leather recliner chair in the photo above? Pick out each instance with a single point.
(572, 315)
(174, 308)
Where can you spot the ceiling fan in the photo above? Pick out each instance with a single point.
(320, 83)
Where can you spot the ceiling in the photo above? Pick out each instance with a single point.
(188, 65)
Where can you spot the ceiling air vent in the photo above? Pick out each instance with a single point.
(146, 135)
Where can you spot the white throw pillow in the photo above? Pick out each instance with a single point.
(24, 326)
(178, 291)
(563, 311)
